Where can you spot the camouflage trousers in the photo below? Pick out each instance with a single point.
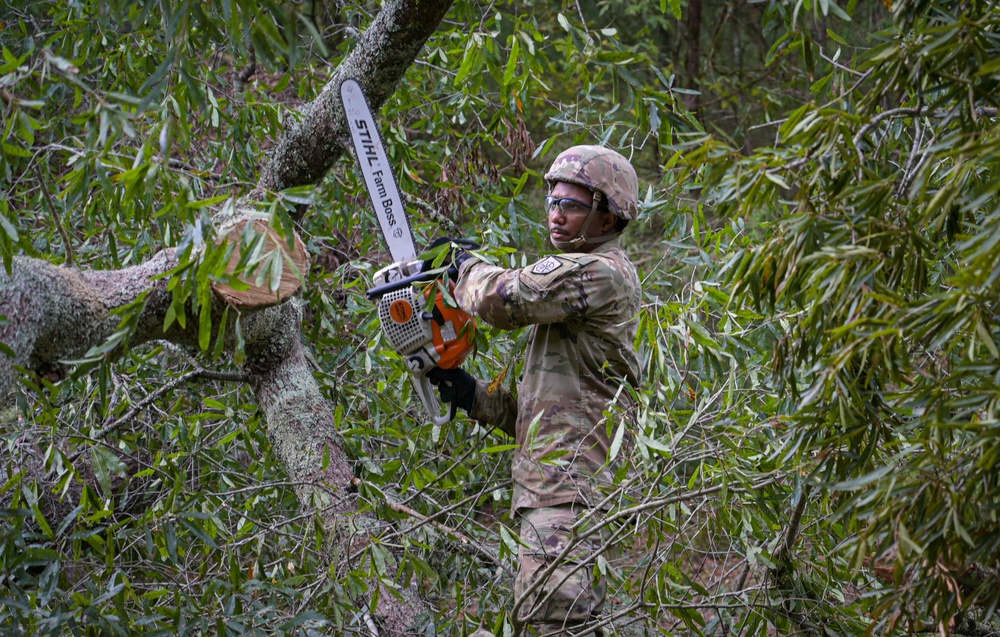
(572, 594)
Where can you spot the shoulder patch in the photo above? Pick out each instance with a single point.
(546, 266)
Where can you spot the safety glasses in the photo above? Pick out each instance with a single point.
(567, 205)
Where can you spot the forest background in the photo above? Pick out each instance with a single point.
(815, 444)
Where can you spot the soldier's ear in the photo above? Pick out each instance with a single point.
(608, 222)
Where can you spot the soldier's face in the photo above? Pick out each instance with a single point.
(565, 220)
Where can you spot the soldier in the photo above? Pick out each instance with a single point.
(583, 304)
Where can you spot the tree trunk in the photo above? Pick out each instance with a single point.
(57, 313)
(692, 55)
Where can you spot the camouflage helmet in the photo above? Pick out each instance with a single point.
(599, 169)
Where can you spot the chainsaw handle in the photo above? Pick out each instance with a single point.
(426, 392)
(381, 290)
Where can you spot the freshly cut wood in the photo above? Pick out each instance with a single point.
(295, 264)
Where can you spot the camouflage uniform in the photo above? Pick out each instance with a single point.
(571, 595)
(583, 308)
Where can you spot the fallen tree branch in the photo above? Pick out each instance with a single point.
(973, 579)
(962, 625)
(383, 53)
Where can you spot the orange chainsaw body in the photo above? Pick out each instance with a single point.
(425, 329)
(455, 335)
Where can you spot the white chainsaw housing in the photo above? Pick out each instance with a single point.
(407, 326)
(407, 329)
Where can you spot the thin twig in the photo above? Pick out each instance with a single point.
(841, 66)
(142, 404)
(444, 473)
(372, 629)
(792, 165)
(447, 530)
(908, 170)
(55, 216)
(248, 72)
(583, 20)
(432, 213)
(875, 121)
(792, 530)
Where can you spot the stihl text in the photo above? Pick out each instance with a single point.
(365, 135)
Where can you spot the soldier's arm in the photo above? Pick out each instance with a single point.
(552, 290)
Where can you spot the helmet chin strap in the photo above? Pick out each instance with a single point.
(581, 237)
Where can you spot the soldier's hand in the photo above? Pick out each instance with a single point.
(456, 387)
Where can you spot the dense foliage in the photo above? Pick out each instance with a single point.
(816, 441)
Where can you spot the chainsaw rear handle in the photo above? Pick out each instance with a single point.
(419, 365)
(426, 392)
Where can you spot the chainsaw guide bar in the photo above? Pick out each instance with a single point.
(377, 172)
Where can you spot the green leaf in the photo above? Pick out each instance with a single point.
(106, 465)
(773, 177)
(9, 228)
(987, 339)
(43, 524)
(470, 61)
(207, 203)
(615, 57)
(836, 38)
(511, 67)
(780, 47)
(508, 540)
(498, 448)
(15, 151)
(837, 11)
(664, 448)
(205, 318)
(616, 443)
(302, 195)
(864, 480)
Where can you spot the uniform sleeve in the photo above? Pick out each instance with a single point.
(553, 290)
(497, 408)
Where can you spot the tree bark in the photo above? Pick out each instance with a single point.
(58, 313)
(692, 55)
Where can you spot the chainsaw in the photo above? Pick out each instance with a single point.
(422, 325)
